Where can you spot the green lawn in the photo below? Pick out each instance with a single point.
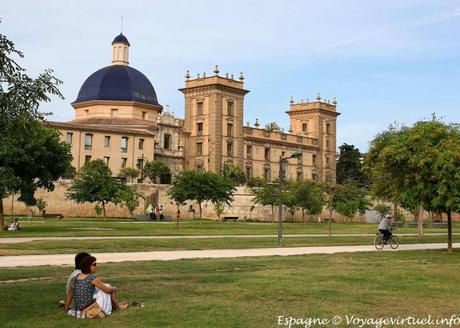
(124, 227)
(248, 292)
(142, 245)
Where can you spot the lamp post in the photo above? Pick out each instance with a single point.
(295, 154)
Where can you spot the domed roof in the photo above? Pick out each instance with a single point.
(120, 38)
(118, 82)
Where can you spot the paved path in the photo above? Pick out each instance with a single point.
(29, 239)
(68, 259)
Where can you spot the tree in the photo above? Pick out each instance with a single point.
(350, 200)
(41, 205)
(349, 166)
(234, 173)
(157, 171)
(289, 198)
(424, 164)
(309, 197)
(272, 126)
(265, 193)
(219, 208)
(31, 155)
(129, 172)
(95, 185)
(201, 187)
(129, 197)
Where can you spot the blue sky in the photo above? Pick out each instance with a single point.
(385, 61)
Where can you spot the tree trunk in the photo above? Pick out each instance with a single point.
(199, 206)
(420, 221)
(273, 214)
(303, 216)
(449, 232)
(329, 223)
(395, 210)
(1, 214)
(103, 208)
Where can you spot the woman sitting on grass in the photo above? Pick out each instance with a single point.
(87, 289)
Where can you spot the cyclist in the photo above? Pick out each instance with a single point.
(384, 227)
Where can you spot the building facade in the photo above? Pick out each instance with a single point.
(118, 119)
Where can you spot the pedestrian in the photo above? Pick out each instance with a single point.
(157, 212)
(161, 213)
(149, 212)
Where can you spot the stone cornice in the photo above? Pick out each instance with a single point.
(116, 103)
(308, 111)
(213, 87)
(293, 145)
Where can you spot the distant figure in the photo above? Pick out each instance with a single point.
(157, 212)
(14, 226)
(149, 211)
(319, 219)
(161, 213)
(29, 214)
(384, 227)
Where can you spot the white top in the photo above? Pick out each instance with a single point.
(71, 279)
(384, 224)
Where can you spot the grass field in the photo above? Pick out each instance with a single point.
(143, 245)
(248, 292)
(123, 227)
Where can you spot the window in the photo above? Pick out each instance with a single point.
(107, 141)
(114, 112)
(199, 148)
(304, 127)
(267, 154)
(124, 144)
(249, 151)
(167, 141)
(87, 158)
(314, 176)
(230, 108)
(141, 144)
(140, 163)
(88, 141)
(86, 112)
(248, 172)
(123, 161)
(199, 128)
(68, 138)
(327, 160)
(328, 128)
(267, 174)
(230, 149)
(313, 159)
(299, 175)
(229, 129)
(144, 115)
(300, 160)
(327, 144)
(106, 160)
(199, 167)
(199, 108)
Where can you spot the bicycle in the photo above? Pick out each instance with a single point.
(379, 243)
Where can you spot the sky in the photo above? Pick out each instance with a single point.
(392, 61)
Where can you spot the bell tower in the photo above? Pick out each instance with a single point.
(317, 120)
(213, 121)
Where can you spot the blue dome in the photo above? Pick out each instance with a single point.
(120, 38)
(118, 82)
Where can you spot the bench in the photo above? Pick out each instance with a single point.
(327, 220)
(231, 218)
(439, 224)
(415, 225)
(52, 216)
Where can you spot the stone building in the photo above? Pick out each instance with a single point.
(118, 119)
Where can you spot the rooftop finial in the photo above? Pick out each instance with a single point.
(187, 76)
(216, 70)
(257, 123)
(198, 76)
(226, 75)
(231, 76)
(248, 124)
(241, 76)
(204, 74)
(334, 102)
(318, 97)
(291, 101)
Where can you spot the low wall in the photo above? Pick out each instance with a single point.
(57, 202)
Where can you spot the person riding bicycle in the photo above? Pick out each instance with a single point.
(384, 227)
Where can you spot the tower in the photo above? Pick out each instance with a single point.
(317, 120)
(213, 121)
(120, 50)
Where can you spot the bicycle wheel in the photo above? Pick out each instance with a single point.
(394, 242)
(378, 242)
